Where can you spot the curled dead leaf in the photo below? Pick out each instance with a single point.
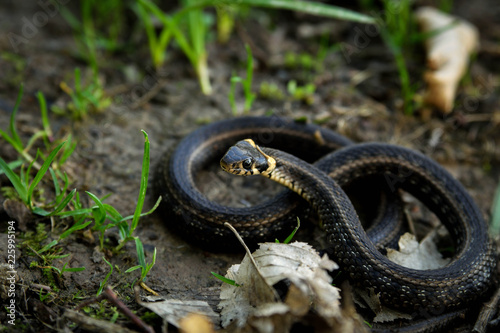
(448, 52)
(283, 284)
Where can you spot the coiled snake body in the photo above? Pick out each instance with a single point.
(466, 277)
(463, 280)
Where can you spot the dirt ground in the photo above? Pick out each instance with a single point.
(357, 96)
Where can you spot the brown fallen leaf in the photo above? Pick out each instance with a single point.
(448, 53)
(413, 254)
(174, 311)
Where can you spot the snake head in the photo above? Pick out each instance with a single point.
(245, 158)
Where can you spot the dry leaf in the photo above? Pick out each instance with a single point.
(411, 254)
(279, 284)
(416, 255)
(173, 311)
(448, 53)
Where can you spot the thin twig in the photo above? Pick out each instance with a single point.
(37, 286)
(94, 325)
(109, 295)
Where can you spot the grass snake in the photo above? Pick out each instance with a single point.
(466, 278)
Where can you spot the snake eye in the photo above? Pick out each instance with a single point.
(247, 164)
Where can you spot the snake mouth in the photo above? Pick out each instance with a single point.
(224, 166)
(245, 158)
(235, 169)
(229, 168)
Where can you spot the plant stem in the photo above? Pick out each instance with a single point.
(197, 33)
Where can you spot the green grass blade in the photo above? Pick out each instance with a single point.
(309, 7)
(12, 165)
(57, 187)
(77, 203)
(157, 45)
(140, 253)
(225, 279)
(71, 19)
(290, 237)
(113, 214)
(196, 27)
(247, 83)
(55, 269)
(100, 215)
(75, 227)
(43, 170)
(75, 213)
(232, 93)
(495, 212)
(40, 211)
(15, 180)
(248, 80)
(172, 25)
(103, 282)
(64, 203)
(131, 269)
(118, 221)
(157, 203)
(163, 41)
(197, 34)
(9, 139)
(25, 176)
(185, 46)
(48, 246)
(150, 33)
(89, 34)
(66, 181)
(148, 267)
(153, 262)
(68, 150)
(74, 269)
(12, 125)
(144, 184)
(45, 117)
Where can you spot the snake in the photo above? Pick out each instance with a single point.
(468, 275)
(329, 162)
(192, 215)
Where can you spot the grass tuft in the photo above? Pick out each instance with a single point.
(66, 203)
(141, 258)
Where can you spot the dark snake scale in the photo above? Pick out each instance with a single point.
(466, 278)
